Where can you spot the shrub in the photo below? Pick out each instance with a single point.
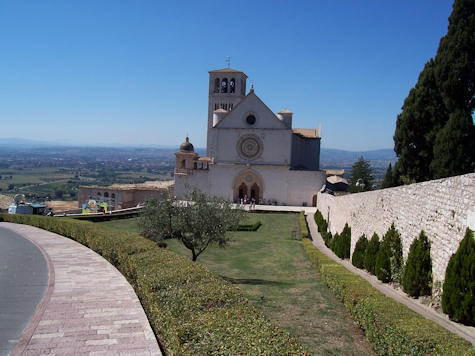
(327, 238)
(390, 327)
(193, 311)
(382, 267)
(321, 222)
(303, 225)
(340, 244)
(370, 254)
(389, 258)
(249, 227)
(417, 275)
(458, 299)
(358, 254)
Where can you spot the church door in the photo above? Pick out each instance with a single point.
(242, 191)
(255, 192)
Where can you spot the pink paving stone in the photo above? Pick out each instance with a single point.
(88, 294)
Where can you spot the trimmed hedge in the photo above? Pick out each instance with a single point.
(193, 311)
(390, 327)
(303, 226)
(249, 227)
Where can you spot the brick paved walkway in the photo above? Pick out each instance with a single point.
(89, 307)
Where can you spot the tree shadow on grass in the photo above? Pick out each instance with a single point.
(254, 281)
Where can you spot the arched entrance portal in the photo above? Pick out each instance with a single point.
(242, 191)
(248, 184)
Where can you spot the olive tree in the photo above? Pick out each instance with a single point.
(197, 222)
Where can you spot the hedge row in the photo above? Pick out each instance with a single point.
(249, 227)
(391, 328)
(303, 226)
(193, 311)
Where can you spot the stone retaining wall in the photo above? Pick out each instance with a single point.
(443, 208)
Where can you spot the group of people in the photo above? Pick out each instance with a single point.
(246, 201)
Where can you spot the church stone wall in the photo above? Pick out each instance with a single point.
(275, 146)
(443, 208)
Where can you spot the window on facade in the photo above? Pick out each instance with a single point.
(98, 194)
(216, 106)
(113, 196)
(224, 85)
(231, 106)
(183, 164)
(224, 106)
(216, 85)
(106, 195)
(232, 85)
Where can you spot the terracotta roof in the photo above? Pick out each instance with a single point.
(285, 111)
(307, 133)
(221, 110)
(149, 185)
(227, 70)
(204, 159)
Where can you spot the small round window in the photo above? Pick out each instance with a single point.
(251, 119)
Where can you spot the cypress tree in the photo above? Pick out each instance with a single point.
(417, 276)
(389, 258)
(362, 172)
(458, 299)
(454, 148)
(435, 132)
(357, 259)
(370, 254)
(423, 115)
(388, 178)
(383, 265)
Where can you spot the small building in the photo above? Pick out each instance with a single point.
(123, 196)
(27, 209)
(336, 184)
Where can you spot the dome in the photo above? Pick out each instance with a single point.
(187, 146)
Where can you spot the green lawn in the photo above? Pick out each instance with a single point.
(274, 272)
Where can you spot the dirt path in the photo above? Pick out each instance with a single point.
(466, 332)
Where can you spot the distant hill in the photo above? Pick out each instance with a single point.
(328, 154)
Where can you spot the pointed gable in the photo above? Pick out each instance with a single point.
(251, 105)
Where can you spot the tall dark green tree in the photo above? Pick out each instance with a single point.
(458, 299)
(423, 115)
(454, 147)
(361, 179)
(439, 108)
(388, 178)
(417, 275)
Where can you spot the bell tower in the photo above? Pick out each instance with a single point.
(227, 87)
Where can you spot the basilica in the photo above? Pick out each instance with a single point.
(251, 152)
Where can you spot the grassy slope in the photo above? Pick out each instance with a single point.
(271, 264)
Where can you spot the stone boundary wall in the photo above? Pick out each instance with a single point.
(443, 208)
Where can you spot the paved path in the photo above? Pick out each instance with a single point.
(466, 332)
(23, 283)
(88, 309)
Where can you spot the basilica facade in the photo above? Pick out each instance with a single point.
(251, 152)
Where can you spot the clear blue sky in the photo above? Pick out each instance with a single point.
(136, 72)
